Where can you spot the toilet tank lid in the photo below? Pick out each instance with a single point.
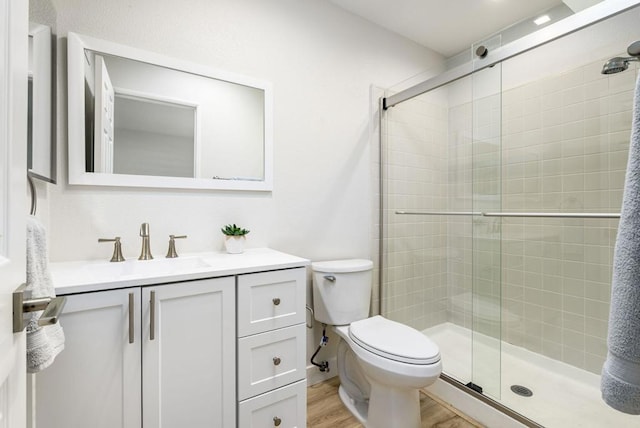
(341, 266)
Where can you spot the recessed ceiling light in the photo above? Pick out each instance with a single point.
(542, 20)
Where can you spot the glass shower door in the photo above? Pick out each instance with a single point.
(486, 166)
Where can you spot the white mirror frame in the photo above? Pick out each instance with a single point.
(76, 45)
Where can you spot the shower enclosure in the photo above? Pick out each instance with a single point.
(500, 192)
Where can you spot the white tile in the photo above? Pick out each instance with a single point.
(596, 107)
(572, 147)
(620, 121)
(621, 82)
(552, 100)
(596, 125)
(596, 89)
(573, 130)
(573, 95)
(572, 113)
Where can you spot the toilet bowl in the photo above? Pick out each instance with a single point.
(382, 364)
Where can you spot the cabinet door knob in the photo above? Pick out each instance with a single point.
(276, 301)
(276, 361)
(276, 421)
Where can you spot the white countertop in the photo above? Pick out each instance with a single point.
(98, 275)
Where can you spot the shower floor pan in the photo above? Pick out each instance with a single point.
(563, 396)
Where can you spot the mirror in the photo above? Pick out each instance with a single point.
(41, 160)
(138, 118)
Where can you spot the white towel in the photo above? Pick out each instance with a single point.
(43, 343)
(620, 383)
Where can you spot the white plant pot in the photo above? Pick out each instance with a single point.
(234, 244)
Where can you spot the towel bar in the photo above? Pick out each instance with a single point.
(438, 213)
(553, 215)
(52, 308)
(513, 214)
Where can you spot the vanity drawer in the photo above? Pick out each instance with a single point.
(270, 360)
(286, 406)
(270, 300)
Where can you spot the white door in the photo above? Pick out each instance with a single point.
(104, 127)
(188, 354)
(13, 171)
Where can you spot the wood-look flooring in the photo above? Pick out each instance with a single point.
(325, 409)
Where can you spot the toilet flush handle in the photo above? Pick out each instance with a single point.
(330, 278)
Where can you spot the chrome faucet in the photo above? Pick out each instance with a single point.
(145, 254)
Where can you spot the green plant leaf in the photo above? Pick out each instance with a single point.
(234, 230)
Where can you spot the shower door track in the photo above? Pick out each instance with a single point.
(511, 214)
(568, 25)
(491, 402)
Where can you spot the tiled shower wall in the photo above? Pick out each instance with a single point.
(415, 273)
(563, 148)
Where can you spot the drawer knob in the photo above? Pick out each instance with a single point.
(276, 361)
(276, 421)
(276, 301)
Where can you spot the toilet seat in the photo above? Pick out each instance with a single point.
(395, 341)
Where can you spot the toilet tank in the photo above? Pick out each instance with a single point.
(341, 290)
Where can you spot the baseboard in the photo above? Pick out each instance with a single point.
(314, 375)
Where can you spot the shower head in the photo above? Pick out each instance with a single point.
(618, 64)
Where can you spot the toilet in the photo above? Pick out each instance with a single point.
(382, 364)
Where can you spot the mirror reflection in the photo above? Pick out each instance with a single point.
(154, 137)
(152, 120)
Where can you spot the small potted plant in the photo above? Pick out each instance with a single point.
(234, 238)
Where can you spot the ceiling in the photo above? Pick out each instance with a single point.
(450, 26)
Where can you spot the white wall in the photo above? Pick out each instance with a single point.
(321, 61)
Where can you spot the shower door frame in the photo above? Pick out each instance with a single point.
(569, 25)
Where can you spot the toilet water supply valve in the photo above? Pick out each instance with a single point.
(322, 365)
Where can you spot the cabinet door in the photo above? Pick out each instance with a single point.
(95, 380)
(189, 354)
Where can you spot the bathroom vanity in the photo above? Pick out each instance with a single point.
(206, 340)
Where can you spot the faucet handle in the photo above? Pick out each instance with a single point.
(117, 248)
(171, 253)
(144, 229)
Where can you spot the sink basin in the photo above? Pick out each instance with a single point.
(146, 268)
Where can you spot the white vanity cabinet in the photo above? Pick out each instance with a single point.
(159, 356)
(272, 349)
(209, 340)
